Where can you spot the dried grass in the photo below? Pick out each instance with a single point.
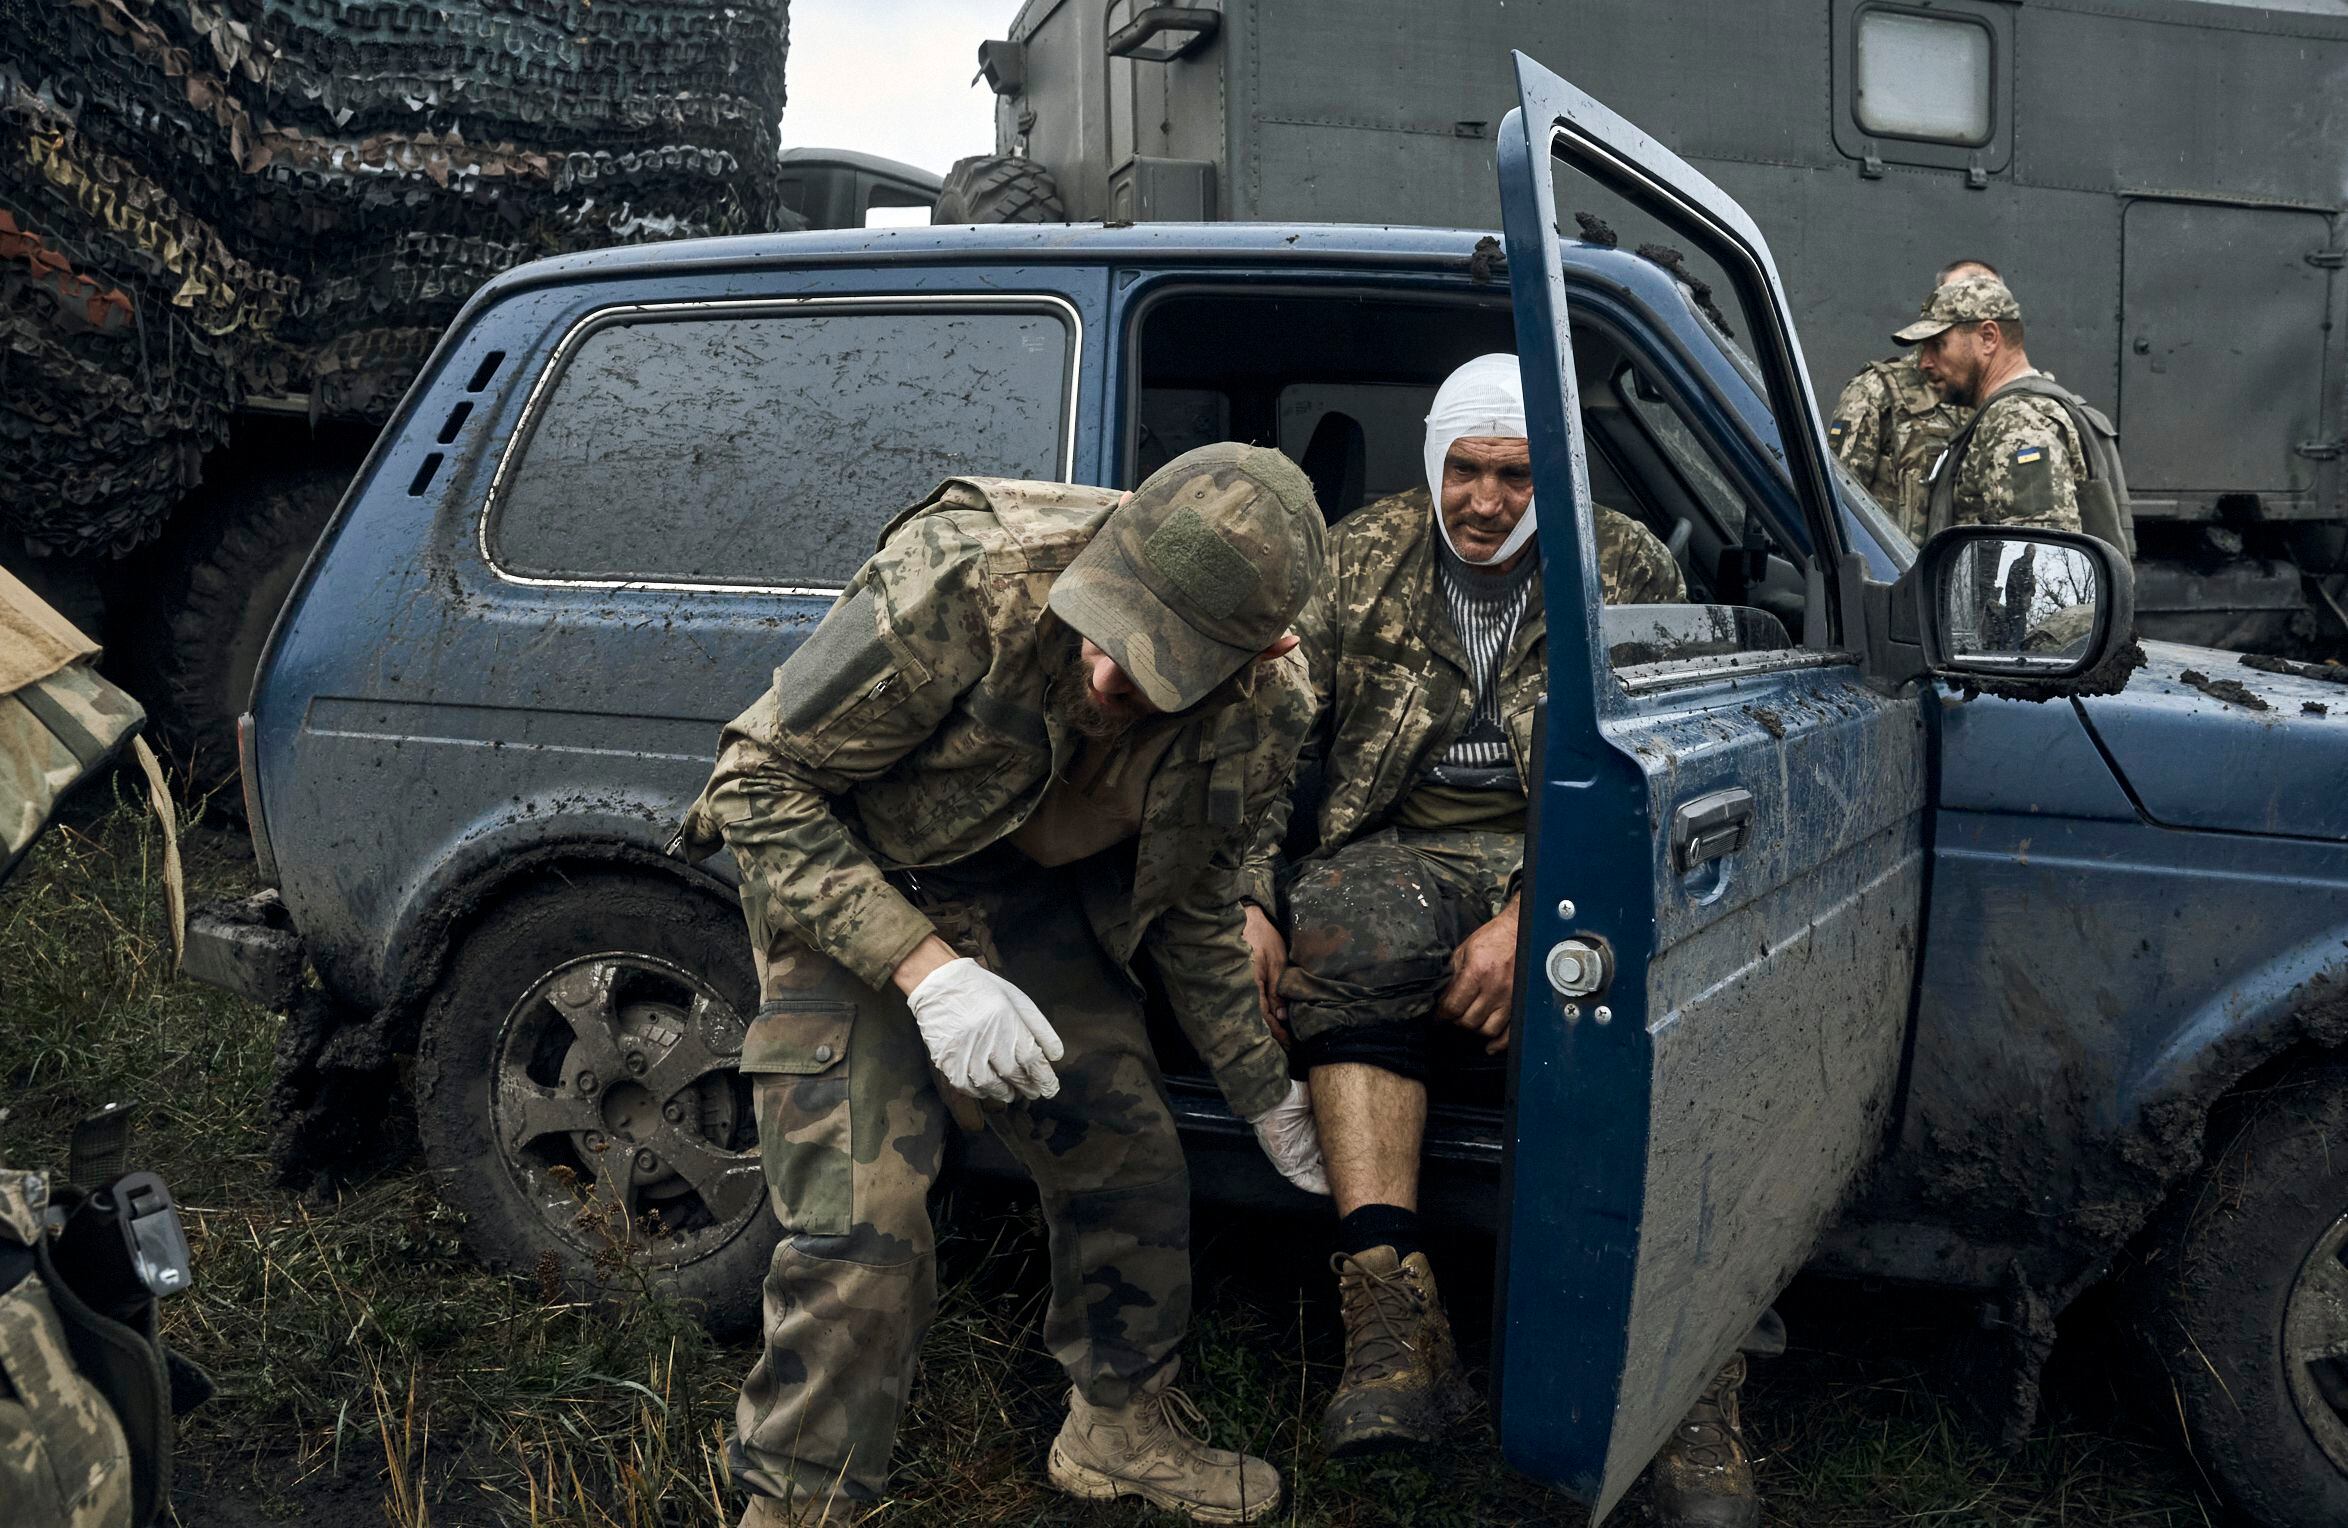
(371, 1372)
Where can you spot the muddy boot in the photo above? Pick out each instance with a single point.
(1702, 1479)
(1150, 1448)
(1402, 1382)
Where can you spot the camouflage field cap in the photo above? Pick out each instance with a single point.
(1203, 568)
(1967, 300)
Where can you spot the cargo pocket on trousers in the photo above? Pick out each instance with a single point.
(796, 1057)
(61, 1447)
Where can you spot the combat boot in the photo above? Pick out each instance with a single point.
(1702, 1478)
(1150, 1447)
(1402, 1382)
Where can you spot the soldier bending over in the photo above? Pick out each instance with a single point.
(1028, 746)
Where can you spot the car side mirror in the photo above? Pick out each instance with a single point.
(2035, 614)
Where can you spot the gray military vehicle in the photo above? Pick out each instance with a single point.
(2163, 182)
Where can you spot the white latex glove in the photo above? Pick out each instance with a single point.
(1287, 1134)
(986, 1036)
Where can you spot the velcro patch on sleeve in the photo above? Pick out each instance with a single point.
(2025, 455)
(838, 662)
(1209, 572)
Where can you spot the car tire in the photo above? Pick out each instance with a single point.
(2243, 1277)
(577, 1094)
(998, 189)
(223, 582)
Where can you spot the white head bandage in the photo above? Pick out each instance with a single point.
(1486, 397)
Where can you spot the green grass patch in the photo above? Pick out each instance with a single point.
(371, 1372)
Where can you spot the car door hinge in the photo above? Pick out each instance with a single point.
(2321, 450)
(2327, 259)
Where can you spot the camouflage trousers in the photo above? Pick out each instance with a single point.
(852, 1128)
(1371, 930)
(64, 1459)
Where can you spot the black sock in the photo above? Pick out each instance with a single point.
(1380, 1225)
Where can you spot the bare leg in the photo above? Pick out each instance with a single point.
(1371, 1124)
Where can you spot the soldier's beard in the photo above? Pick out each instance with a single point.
(1071, 702)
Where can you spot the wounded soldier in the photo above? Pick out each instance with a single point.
(1427, 654)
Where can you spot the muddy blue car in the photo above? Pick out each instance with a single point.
(1890, 911)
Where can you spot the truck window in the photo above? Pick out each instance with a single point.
(765, 448)
(1922, 76)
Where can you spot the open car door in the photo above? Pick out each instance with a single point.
(1724, 872)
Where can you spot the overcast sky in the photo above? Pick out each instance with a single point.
(892, 77)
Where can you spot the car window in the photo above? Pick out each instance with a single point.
(1710, 486)
(768, 449)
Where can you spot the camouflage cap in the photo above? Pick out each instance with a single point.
(1967, 300)
(1205, 566)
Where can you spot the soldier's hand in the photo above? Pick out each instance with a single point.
(1292, 1140)
(988, 1038)
(1482, 992)
(1270, 954)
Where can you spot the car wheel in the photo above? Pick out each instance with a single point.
(2242, 1299)
(224, 579)
(998, 189)
(578, 1097)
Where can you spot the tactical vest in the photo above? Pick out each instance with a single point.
(2104, 509)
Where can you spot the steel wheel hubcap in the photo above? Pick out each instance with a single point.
(618, 1110)
(2315, 1342)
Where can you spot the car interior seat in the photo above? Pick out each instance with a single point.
(1335, 459)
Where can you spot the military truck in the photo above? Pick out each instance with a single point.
(2161, 180)
(229, 234)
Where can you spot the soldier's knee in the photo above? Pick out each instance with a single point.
(1354, 915)
(1109, 1136)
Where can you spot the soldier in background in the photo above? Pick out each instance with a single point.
(1891, 423)
(2034, 454)
(1068, 708)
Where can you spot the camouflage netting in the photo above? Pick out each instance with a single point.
(204, 200)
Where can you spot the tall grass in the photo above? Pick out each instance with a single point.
(370, 1371)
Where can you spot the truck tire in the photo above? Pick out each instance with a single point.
(222, 584)
(998, 189)
(2242, 1301)
(577, 1096)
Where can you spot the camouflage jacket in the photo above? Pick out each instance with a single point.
(1889, 427)
(2023, 466)
(910, 730)
(1390, 676)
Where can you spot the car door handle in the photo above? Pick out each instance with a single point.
(1710, 826)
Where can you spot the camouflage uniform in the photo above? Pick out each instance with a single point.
(1889, 427)
(1376, 914)
(2023, 466)
(64, 1462)
(866, 798)
(2023, 461)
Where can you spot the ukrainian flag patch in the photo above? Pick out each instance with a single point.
(2025, 455)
